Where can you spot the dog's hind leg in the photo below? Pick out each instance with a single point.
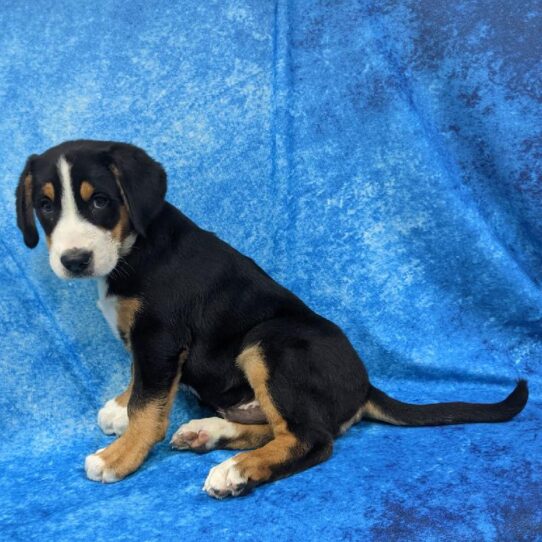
(212, 433)
(284, 454)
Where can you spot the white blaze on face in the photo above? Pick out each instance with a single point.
(73, 231)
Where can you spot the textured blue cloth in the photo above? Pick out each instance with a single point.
(383, 160)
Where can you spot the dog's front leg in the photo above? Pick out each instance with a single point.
(113, 416)
(156, 374)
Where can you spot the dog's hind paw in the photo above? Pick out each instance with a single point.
(202, 435)
(225, 480)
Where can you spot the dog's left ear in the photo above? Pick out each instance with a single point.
(24, 206)
(142, 182)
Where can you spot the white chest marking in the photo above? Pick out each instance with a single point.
(108, 305)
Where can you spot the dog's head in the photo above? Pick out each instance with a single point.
(92, 199)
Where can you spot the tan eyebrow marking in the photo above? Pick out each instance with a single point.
(49, 190)
(86, 190)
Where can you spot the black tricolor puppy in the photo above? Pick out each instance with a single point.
(193, 310)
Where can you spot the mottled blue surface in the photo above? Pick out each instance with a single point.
(382, 159)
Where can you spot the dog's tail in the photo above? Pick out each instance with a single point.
(381, 407)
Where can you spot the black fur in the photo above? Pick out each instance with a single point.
(218, 302)
(202, 296)
(143, 183)
(24, 207)
(450, 413)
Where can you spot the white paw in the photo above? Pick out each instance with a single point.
(95, 469)
(225, 480)
(113, 418)
(202, 435)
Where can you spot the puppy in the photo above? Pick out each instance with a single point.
(284, 380)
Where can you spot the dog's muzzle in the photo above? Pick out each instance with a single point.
(76, 260)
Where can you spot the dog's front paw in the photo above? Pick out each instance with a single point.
(113, 418)
(97, 470)
(226, 480)
(118, 460)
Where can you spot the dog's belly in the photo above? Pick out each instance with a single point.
(219, 383)
(245, 412)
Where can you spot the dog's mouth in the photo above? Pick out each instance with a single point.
(70, 275)
(83, 275)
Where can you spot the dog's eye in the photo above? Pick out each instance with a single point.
(46, 205)
(99, 201)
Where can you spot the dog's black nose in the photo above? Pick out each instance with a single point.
(76, 260)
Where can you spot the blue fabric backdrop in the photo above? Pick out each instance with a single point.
(382, 159)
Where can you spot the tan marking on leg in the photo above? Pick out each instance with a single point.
(146, 426)
(122, 228)
(48, 190)
(124, 397)
(127, 309)
(171, 396)
(257, 466)
(249, 436)
(86, 190)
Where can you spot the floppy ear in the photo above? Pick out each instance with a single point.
(25, 209)
(142, 183)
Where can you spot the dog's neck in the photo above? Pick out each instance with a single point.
(138, 252)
